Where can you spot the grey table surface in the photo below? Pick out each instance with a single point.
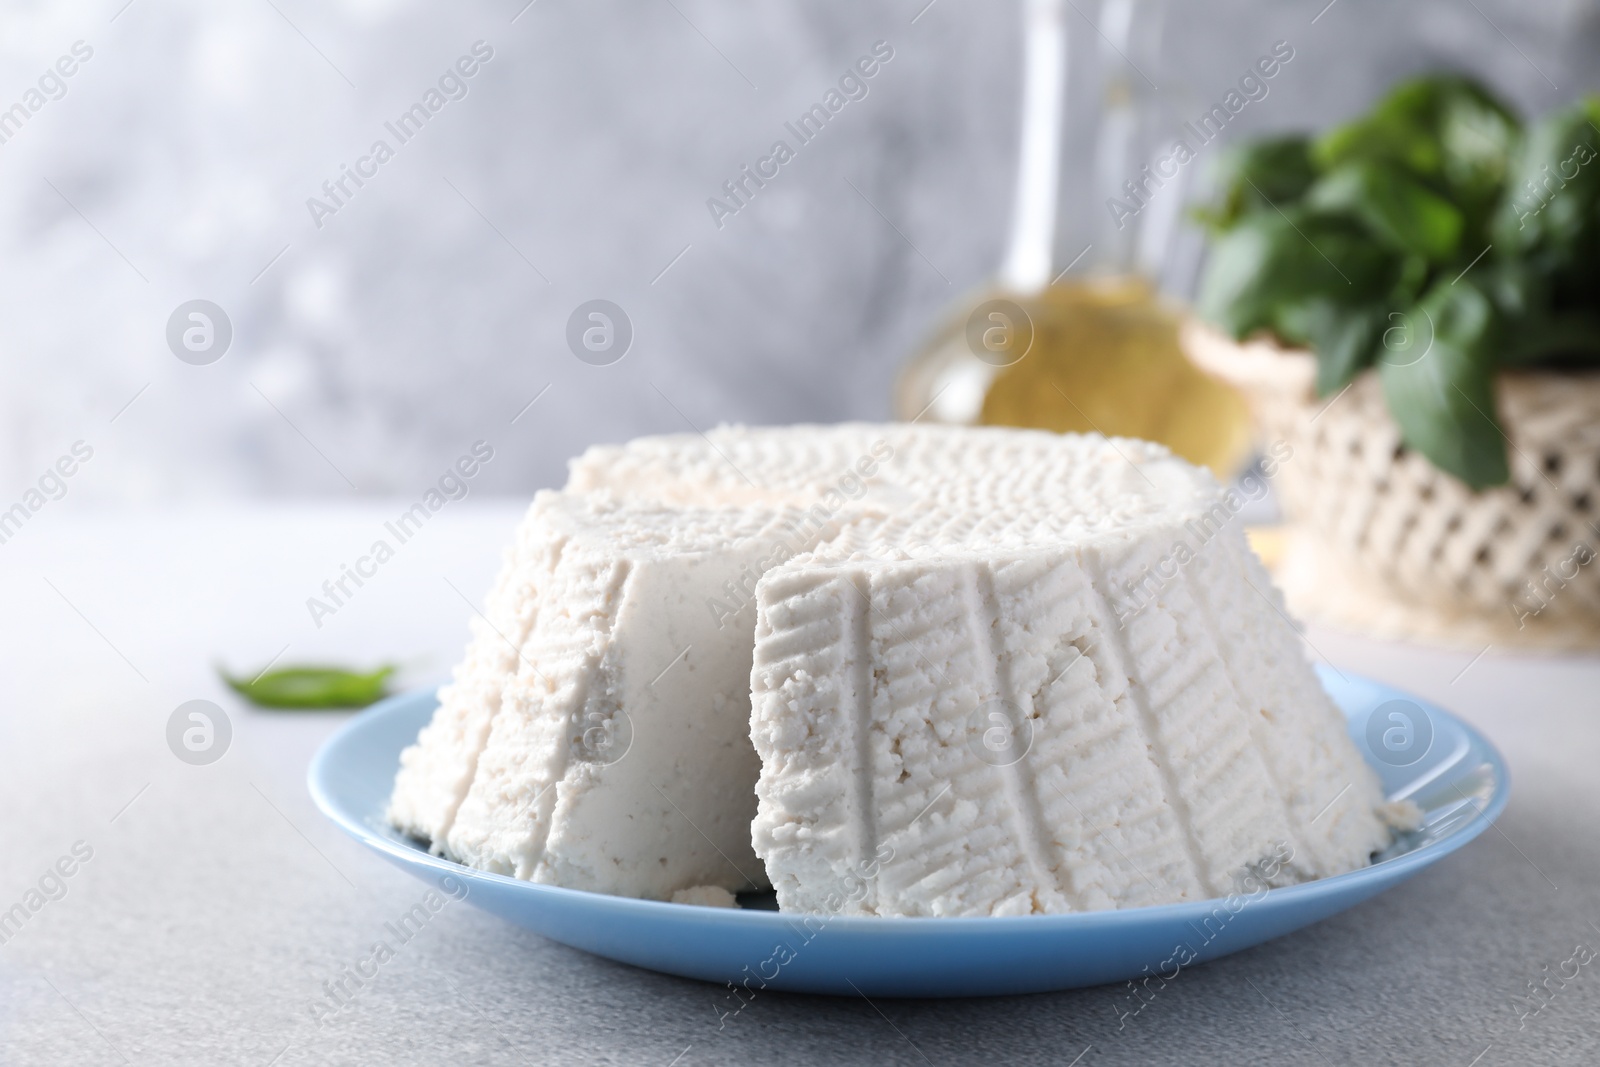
(216, 901)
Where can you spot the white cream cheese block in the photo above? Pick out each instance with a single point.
(964, 669)
(994, 733)
(597, 734)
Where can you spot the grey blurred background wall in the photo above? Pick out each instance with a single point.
(431, 307)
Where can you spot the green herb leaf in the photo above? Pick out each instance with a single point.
(1395, 207)
(311, 687)
(1430, 223)
(1260, 174)
(1553, 189)
(1438, 380)
(1271, 259)
(1520, 288)
(1443, 128)
(1559, 340)
(1346, 339)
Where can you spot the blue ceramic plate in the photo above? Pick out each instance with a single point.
(1421, 752)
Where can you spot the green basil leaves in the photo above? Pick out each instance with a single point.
(1432, 239)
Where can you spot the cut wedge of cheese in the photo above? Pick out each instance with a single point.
(597, 736)
(998, 732)
(895, 670)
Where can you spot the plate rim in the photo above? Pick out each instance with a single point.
(1388, 871)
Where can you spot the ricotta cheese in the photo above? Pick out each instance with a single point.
(991, 721)
(615, 754)
(706, 896)
(972, 671)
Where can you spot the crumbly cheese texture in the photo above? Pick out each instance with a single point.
(597, 733)
(895, 670)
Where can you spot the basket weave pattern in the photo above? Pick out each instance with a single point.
(1519, 560)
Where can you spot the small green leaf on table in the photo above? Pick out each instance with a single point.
(312, 687)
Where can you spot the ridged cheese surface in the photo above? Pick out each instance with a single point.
(896, 670)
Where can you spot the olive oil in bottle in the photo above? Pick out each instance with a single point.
(1096, 350)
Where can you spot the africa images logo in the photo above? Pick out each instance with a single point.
(452, 85)
(739, 190)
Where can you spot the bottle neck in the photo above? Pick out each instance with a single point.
(1090, 113)
(1030, 255)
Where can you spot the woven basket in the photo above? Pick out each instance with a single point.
(1383, 542)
